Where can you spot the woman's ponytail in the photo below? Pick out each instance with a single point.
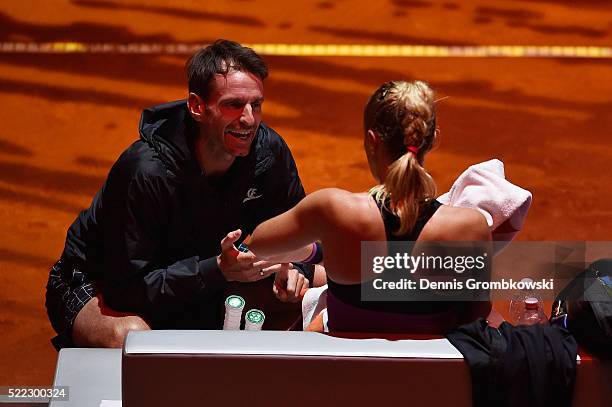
(402, 113)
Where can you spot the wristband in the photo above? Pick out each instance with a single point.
(307, 270)
(316, 256)
(244, 246)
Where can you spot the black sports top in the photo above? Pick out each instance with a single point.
(351, 293)
(392, 221)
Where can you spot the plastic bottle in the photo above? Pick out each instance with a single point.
(533, 313)
(517, 303)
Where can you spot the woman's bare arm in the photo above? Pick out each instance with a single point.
(289, 236)
(321, 214)
(456, 224)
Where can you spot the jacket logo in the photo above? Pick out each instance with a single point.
(251, 194)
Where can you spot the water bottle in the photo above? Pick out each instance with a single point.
(517, 303)
(533, 313)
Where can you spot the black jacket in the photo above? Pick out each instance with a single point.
(153, 231)
(531, 366)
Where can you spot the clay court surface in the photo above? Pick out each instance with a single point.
(66, 117)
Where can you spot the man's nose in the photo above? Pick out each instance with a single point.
(247, 118)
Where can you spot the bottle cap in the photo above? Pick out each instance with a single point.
(531, 303)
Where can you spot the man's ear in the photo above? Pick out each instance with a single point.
(196, 107)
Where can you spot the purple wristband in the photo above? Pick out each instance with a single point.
(313, 254)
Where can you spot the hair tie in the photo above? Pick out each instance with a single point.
(413, 149)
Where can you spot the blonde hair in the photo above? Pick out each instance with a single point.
(403, 115)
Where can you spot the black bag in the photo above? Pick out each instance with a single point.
(585, 307)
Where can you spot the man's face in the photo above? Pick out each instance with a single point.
(233, 113)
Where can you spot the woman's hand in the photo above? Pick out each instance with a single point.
(289, 284)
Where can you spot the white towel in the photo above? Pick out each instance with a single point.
(484, 187)
(314, 301)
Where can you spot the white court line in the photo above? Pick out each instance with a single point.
(335, 50)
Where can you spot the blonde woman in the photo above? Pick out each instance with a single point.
(399, 129)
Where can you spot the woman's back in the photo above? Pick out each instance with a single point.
(353, 218)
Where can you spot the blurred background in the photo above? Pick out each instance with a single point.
(66, 116)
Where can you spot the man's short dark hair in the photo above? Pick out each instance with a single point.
(220, 58)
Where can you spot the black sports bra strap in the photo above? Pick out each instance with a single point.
(392, 222)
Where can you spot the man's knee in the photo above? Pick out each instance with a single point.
(94, 327)
(119, 333)
(123, 325)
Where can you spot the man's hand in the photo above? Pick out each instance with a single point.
(239, 266)
(289, 284)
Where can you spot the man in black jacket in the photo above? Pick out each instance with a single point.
(149, 246)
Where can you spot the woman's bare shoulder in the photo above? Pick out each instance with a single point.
(460, 224)
(347, 211)
(341, 199)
